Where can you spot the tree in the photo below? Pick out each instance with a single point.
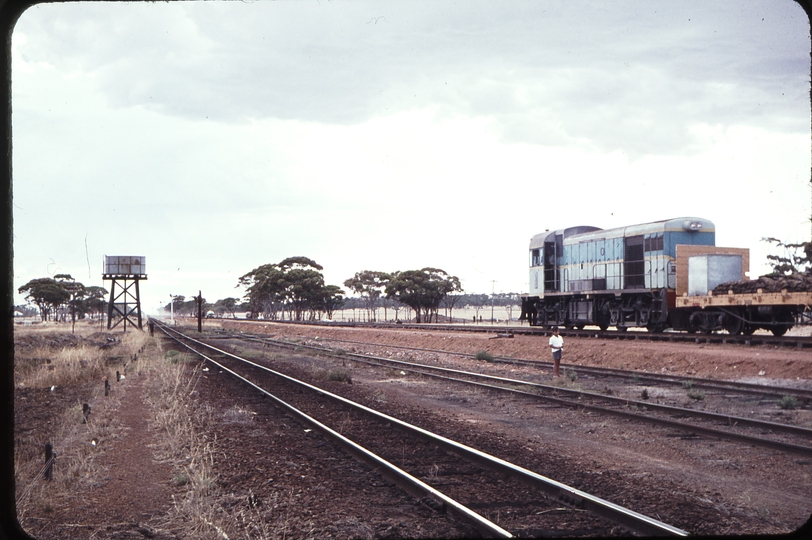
(332, 299)
(295, 284)
(795, 258)
(47, 293)
(263, 288)
(476, 301)
(422, 290)
(226, 305)
(91, 301)
(449, 302)
(76, 290)
(369, 285)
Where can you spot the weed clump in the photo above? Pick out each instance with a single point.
(687, 385)
(484, 355)
(572, 375)
(698, 395)
(339, 375)
(788, 403)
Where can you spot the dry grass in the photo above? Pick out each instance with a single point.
(76, 443)
(202, 511)
(184, 443)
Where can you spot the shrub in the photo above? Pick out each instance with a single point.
(698, 395)
(788, 403)
(687, 385)
(572, 375)
(339, 375)
(484, 355)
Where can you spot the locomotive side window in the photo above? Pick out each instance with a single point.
(535, 256)
(654, 243)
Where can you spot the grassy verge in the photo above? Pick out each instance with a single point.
(59, 372)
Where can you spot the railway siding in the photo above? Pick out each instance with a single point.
(601, 445)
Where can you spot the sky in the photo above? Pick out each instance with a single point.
(214, 137)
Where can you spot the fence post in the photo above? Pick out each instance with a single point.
(106, 387)
(49, 464)
(85, 412)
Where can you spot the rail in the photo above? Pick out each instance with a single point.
(691, 428)
(633, 520)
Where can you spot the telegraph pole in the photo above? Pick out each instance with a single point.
(200, 311)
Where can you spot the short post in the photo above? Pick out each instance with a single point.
(85, 412)
(106, 387)
(118, 376)
(49, 461)
(200, 311)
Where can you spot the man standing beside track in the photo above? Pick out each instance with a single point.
(557, 346)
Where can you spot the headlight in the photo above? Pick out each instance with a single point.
(691, 225)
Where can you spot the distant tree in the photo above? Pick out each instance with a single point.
(332, 298)
(295, 284)
(369, 285)
(91, 301)
(47, 293)
(26, 310)
(264, 289)
(77, 292)
(795, 257)
(303, 291)
(226, 305)
(476, 301)
(449, 302)
(422, 290)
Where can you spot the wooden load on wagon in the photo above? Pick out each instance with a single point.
(771, 283)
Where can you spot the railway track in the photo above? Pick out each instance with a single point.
(624, 374)
(784, 437)
(529, 502)
(798, 342)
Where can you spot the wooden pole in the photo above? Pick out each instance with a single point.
(49, 455)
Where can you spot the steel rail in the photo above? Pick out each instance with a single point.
(412, 485)
(564, 493)
(745, 388)
(799, 342)
(712, 432)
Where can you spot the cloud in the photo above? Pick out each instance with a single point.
(398, 135)
(632, 78)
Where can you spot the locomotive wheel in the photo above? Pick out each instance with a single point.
(748, 330)
(733, 324)
(603, 327)
(779, 331)
(621, 328)
(579, 326)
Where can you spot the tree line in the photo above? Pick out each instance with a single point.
(294, 289)
(61, 296)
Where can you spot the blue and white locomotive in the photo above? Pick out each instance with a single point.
(623, 277)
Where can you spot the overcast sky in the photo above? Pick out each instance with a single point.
(213, 137)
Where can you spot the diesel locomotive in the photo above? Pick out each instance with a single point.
(657, 275)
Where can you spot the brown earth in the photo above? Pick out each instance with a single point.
(283, 490)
